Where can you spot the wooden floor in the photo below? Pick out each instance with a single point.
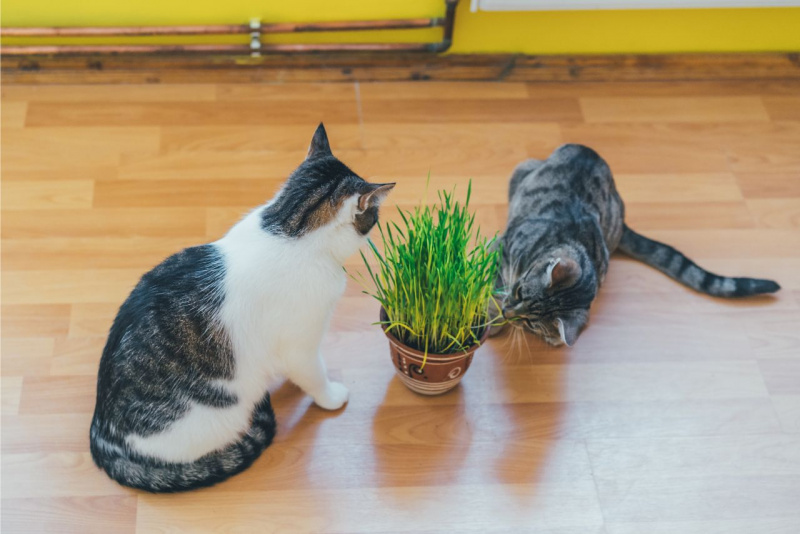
(674, 413)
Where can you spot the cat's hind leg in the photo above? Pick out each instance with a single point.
(520, 172)
(133, 469)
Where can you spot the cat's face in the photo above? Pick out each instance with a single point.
(324, 193)
(550, 298)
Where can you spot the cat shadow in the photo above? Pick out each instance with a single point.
(529, 378)
(755, 301)
(299, 419)
(419, 440)
(650, 283)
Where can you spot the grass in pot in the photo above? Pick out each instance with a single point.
(434, 280)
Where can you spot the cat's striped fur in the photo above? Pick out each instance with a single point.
(565, 219)
(182, 390)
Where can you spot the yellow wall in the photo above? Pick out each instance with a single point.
(550, 32)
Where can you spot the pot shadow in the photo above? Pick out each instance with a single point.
(419, 440)
(529, 405)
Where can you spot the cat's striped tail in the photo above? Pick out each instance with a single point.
(675, 265)
(149, 474)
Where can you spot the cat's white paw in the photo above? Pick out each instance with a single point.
(334, 397)
(554, 341)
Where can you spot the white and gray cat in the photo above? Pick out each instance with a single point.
(182, 391)
(565, 219)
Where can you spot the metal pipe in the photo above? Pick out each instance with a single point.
(255, 30)
(346, 47)
(449, 22)
(138, 31)
(395, 24)
(60, 50)
(223, 29)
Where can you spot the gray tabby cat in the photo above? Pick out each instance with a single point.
(565, 219)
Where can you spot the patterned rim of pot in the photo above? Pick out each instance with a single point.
(441, 372)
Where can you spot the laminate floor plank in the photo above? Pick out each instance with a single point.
(674, 413)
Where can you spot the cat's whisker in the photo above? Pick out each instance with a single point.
(525, 339)
(508, 345)
(510, 340)
(519, 337)
(509, 337)
(515, 344)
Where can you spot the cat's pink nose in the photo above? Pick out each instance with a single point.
(508, 313)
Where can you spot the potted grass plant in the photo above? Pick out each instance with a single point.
(434, 279)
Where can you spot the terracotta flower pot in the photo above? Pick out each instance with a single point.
(441, 372)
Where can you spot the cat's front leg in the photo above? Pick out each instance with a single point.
(333, 397)
(496, 321)
(306, 368)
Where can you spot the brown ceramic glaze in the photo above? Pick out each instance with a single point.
(441, 372)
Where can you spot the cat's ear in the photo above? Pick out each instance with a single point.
(319, 144)
(563, 272)
(373, 195)
(569, 328)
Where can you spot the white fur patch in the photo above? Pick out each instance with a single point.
(561, 331)
(728, 285)
(550, 267)
(279, 295)
(202, 430)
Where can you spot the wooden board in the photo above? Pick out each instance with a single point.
(341, 67)
(674, 412)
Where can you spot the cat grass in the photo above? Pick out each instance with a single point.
(435, 276)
